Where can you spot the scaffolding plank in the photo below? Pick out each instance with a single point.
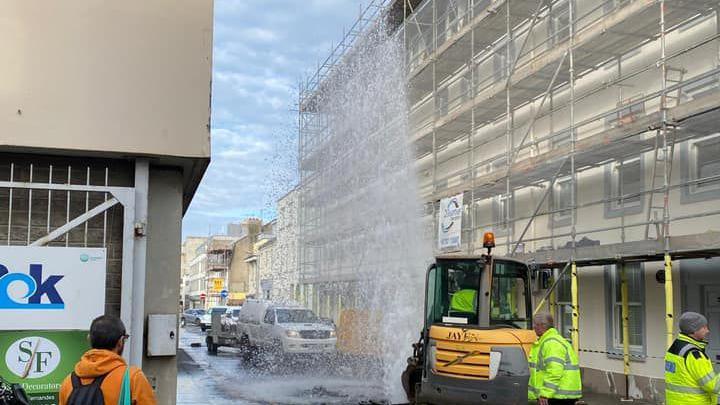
(694, 246)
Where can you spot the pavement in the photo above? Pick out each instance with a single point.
(227, 378)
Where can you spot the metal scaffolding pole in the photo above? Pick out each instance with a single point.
(573, 182)
(471, 146)
(625, 327)
(508, 127)
(669, 304)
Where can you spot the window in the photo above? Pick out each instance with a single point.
(560, 139)
(559, 24)
(700, 159)
(269, 316)
(296, 316)
(452, 292)
(622, 183)
(441, 101)
(563, 300)
(700, 88)
(501, 60)
(636, 317)
(707, 162)
(465, 85)
(501, 212)
(508, 302)
(632, 108)
(561, 202)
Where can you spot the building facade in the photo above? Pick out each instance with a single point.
(286, 273)
(105, 139)
(580, 133)
(191, 285)
(241, 281)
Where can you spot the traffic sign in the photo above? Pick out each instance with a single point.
(202, 296)
(224, 293)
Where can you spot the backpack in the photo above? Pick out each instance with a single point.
(91, 394)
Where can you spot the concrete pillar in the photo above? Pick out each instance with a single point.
(162, 283)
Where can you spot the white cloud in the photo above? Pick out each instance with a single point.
(261, 49)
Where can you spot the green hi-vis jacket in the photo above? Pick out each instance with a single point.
(463, 301)
(554, 368)
(689, 375)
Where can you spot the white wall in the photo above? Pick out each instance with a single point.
(129, 77)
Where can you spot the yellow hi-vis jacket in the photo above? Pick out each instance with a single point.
(689, 375)
(554, 368)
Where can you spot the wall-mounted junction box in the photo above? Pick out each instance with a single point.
(162, 335)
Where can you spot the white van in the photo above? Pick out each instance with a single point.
(290, 329)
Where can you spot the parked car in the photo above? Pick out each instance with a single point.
(192, 316)
(287, 329)
(206, 319)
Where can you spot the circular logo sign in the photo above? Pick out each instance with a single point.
(451, 212)
(32, 357)
(84, 257)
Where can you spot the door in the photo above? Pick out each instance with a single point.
(712, 311)
(266, 327)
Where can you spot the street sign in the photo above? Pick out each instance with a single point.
(217, 284)
(224, 293)
(202, 296)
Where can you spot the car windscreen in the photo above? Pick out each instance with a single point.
(296, 316)
(200, 311)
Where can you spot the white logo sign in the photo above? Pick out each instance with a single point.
(32, 357)
(450, 223)
(45, 288)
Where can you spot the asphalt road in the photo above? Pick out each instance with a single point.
(227, 379)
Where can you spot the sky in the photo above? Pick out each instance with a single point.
(262, 48)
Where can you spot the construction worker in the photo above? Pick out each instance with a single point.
(464, 301)
(689, 375)
(554, 366)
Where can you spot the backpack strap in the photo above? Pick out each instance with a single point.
(75, 381)
(99, 380)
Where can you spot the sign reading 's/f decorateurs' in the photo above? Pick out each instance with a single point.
(450, 223)
(44, 288)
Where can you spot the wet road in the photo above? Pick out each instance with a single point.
(226, 379)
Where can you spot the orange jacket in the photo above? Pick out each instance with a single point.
(95, 363)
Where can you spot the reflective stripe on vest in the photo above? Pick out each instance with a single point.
(708, 377)
(683, 389)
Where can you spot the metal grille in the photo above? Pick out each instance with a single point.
(27, 214)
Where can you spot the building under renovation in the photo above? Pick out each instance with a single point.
(582, 133)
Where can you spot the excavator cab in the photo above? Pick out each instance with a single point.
(477, 332)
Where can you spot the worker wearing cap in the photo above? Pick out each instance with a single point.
(689, 375)
(554, 366)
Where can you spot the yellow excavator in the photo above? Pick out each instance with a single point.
(477, 332)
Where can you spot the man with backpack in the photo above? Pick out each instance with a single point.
(102, 377)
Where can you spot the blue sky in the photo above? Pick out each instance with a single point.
(261, 50)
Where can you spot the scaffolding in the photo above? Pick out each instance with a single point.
(563, 124)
